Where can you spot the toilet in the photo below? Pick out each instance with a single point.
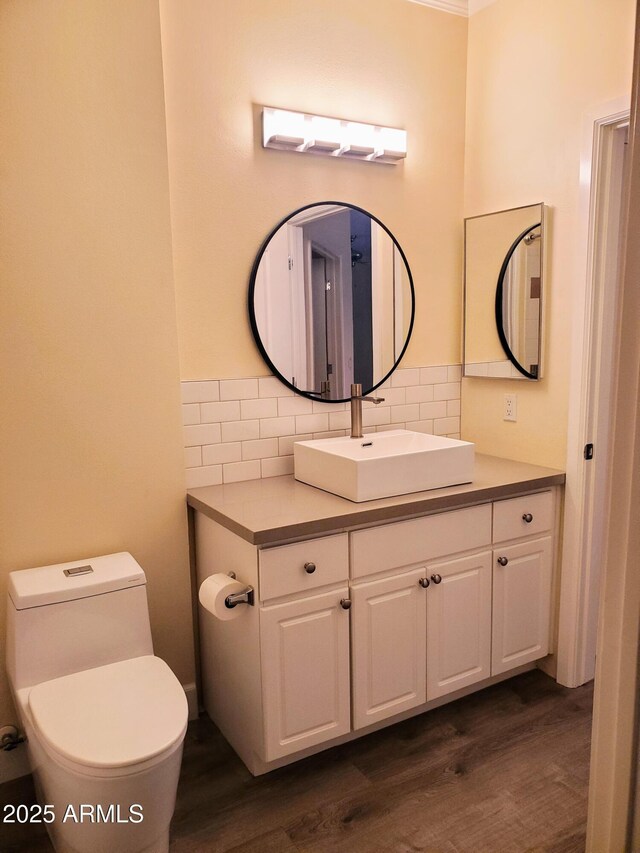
(104, 718)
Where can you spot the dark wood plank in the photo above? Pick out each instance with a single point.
(504, 770)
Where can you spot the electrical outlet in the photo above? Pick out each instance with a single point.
(510, 407)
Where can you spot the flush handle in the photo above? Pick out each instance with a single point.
(503, 561)
(309, 568)
(527, 517)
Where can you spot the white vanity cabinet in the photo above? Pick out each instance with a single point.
(369, 624)
(388, 651)
(304, 651)
(304, 644)
(522, 579)
(458, 623)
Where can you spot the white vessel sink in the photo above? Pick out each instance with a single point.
(383, 464)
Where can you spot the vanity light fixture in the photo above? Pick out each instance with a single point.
(293, 131)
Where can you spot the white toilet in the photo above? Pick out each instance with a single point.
(105, 719)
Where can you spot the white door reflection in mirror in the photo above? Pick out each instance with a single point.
(503, 293)
(331, 301)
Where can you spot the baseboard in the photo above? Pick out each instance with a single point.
(14, 764)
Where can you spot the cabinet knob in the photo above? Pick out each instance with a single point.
(309, 568)
(503, 561)
(436, 578)
(424, 582)
(527, 517)
(345, 603)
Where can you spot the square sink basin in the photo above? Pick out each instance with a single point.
(383, 464)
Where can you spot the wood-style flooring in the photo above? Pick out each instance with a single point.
(504, 770)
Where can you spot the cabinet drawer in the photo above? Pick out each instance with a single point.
(407, 542)
(510, 518)
(282, 569)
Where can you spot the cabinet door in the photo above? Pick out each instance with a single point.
(304, 647)
(388, 647)
(521, 603)
(458, 624)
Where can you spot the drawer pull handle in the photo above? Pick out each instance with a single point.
(345, 603)
(527, 517)
(424, 582)
(503, 561)
(436, 578)
(309, 568)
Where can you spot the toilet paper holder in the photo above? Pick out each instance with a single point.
(245, 597)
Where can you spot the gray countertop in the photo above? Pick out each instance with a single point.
(275, 509)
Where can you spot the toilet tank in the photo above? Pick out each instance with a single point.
(74, 616)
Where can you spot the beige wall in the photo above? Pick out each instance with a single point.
(390, 62)
(91, 457)
(533, 74)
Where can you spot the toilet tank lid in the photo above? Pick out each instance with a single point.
(70, 581)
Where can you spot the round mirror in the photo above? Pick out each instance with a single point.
(331, 301)
(518, 301)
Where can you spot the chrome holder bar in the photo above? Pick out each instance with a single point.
(245, 597)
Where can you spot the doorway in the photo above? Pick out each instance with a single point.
(593, 362)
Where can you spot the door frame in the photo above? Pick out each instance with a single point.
(578, 619)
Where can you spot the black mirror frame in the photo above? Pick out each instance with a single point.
(252, 316)
(499, 297)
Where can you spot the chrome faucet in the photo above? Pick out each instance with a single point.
(356, 408)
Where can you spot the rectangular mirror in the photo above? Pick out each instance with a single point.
(503, 272)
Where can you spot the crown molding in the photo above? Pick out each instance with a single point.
(477, 5)
(455, 7)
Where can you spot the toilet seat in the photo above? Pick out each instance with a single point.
(112, 720)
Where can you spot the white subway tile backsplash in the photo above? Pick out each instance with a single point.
(200, 392)
(211, 475)
(286, 442)
(431, 375)
(192, 457)
(201, 434)
(408, 376)
(190, 413)
(277, 467)
(294, 406)
(272, 427)
(339, 420)
(272, 387)
(323, 408)
(444, 426)
(260, 449)
(447, 391)
(238, 389)
(243, 429)
(240, 430)
(376, 415)
(421, 426)
(253, 409)
(312, 423)
(405, 413)
(234, 472)
(428, 411)
(217, 454)
(332, 433)
(219, 412)
(392, 397)
(419, 394)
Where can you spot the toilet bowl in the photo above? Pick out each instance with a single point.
(104, 740)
